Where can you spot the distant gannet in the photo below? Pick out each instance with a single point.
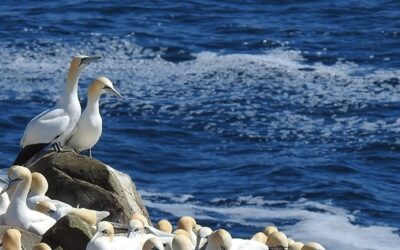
(260, 237)
(182, 242)
(104, 239)
(312, 246)
(87, 131)
(153, 243)
(269, 230)
(11, 240)
(277, 239)
(18, 214)
(219, 239)
(55, 124)
(37, 194)
(41, 246)
(164, 225)
(188, 224)
(296, 246)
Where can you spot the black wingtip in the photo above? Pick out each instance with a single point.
(28, 152)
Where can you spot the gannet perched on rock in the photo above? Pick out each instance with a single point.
(87, 131)
(18, 214)
(104, 239)
(55, 124)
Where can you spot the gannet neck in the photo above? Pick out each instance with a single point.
(39, 185)
(93, 99)
(21, 192)
(71, 89)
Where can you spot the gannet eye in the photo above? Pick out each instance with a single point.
(104, 231)
(52, 211)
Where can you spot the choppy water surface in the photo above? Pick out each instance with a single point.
(242, 114)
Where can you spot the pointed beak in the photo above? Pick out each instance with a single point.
(113, 92)
(129, 233)
(90, 59)
(8, 184)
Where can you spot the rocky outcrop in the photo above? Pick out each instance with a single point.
(28, 239)
(70, 232)
(86, 182)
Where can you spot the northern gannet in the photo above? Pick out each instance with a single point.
(269, 230)
(164, 225)
(188, 224)
(41, 246)
(260, 237)
(4, 203)
(312, 246)
(87, 131)
(104, 239)
(18, 214)
(55, 124)
(296, 246)
(277, 240)
(153, 243)
(219, 239)
(202, 236)
(181, 242)
(37, 194)
(11, 240)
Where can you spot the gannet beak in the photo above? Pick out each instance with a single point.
(129, 233)
(113, 92)
(90, 59)
(9, 182)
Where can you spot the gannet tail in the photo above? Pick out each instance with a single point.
(28, 152)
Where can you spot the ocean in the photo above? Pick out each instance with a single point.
(242, 114)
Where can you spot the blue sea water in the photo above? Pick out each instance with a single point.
(240, 113)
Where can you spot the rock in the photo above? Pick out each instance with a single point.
(70, 232)
(89, 183)
(28, 239)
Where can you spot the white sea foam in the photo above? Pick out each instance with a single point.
(334, 227)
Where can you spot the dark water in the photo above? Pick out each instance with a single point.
(243, 114)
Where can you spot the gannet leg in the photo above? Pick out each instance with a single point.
(57, 147)
(90, 153)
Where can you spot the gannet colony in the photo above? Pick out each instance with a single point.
(24, 205)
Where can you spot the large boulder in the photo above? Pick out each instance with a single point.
(28, 239)
(86, 182)
(69, 233)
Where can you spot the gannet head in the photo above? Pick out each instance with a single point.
(41, 246)
(260, 237)
(187, 223)
(181, 242)
(164, 225)
(39, 185)
(182, 232)
(16, 173)
(102, 85)
(88, 216)
(277, 239)
(204, 232)
(46, 207)
(135, 227)
(269, 230)
(140, 217)
(153, 243)
(296, 246)
(12, 240)
(221, 239)
(105, 229)
(80, 62)
(312, 246)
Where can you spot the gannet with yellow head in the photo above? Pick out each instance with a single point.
(54, 125)
(87, 131)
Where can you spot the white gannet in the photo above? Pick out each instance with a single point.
(277, 240)
(182, 242)
(153, 243)
(202, 236)
(11, 240)
(296, 246)
(18, 214)
(312, 246)
(104, 239)
(219, 239)
(164, 225)
(41, 246)
(87, 131)
(150, 229)
(260, 237)
(188, 224)
(269, 230)
(37, 194)
(55, 124)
